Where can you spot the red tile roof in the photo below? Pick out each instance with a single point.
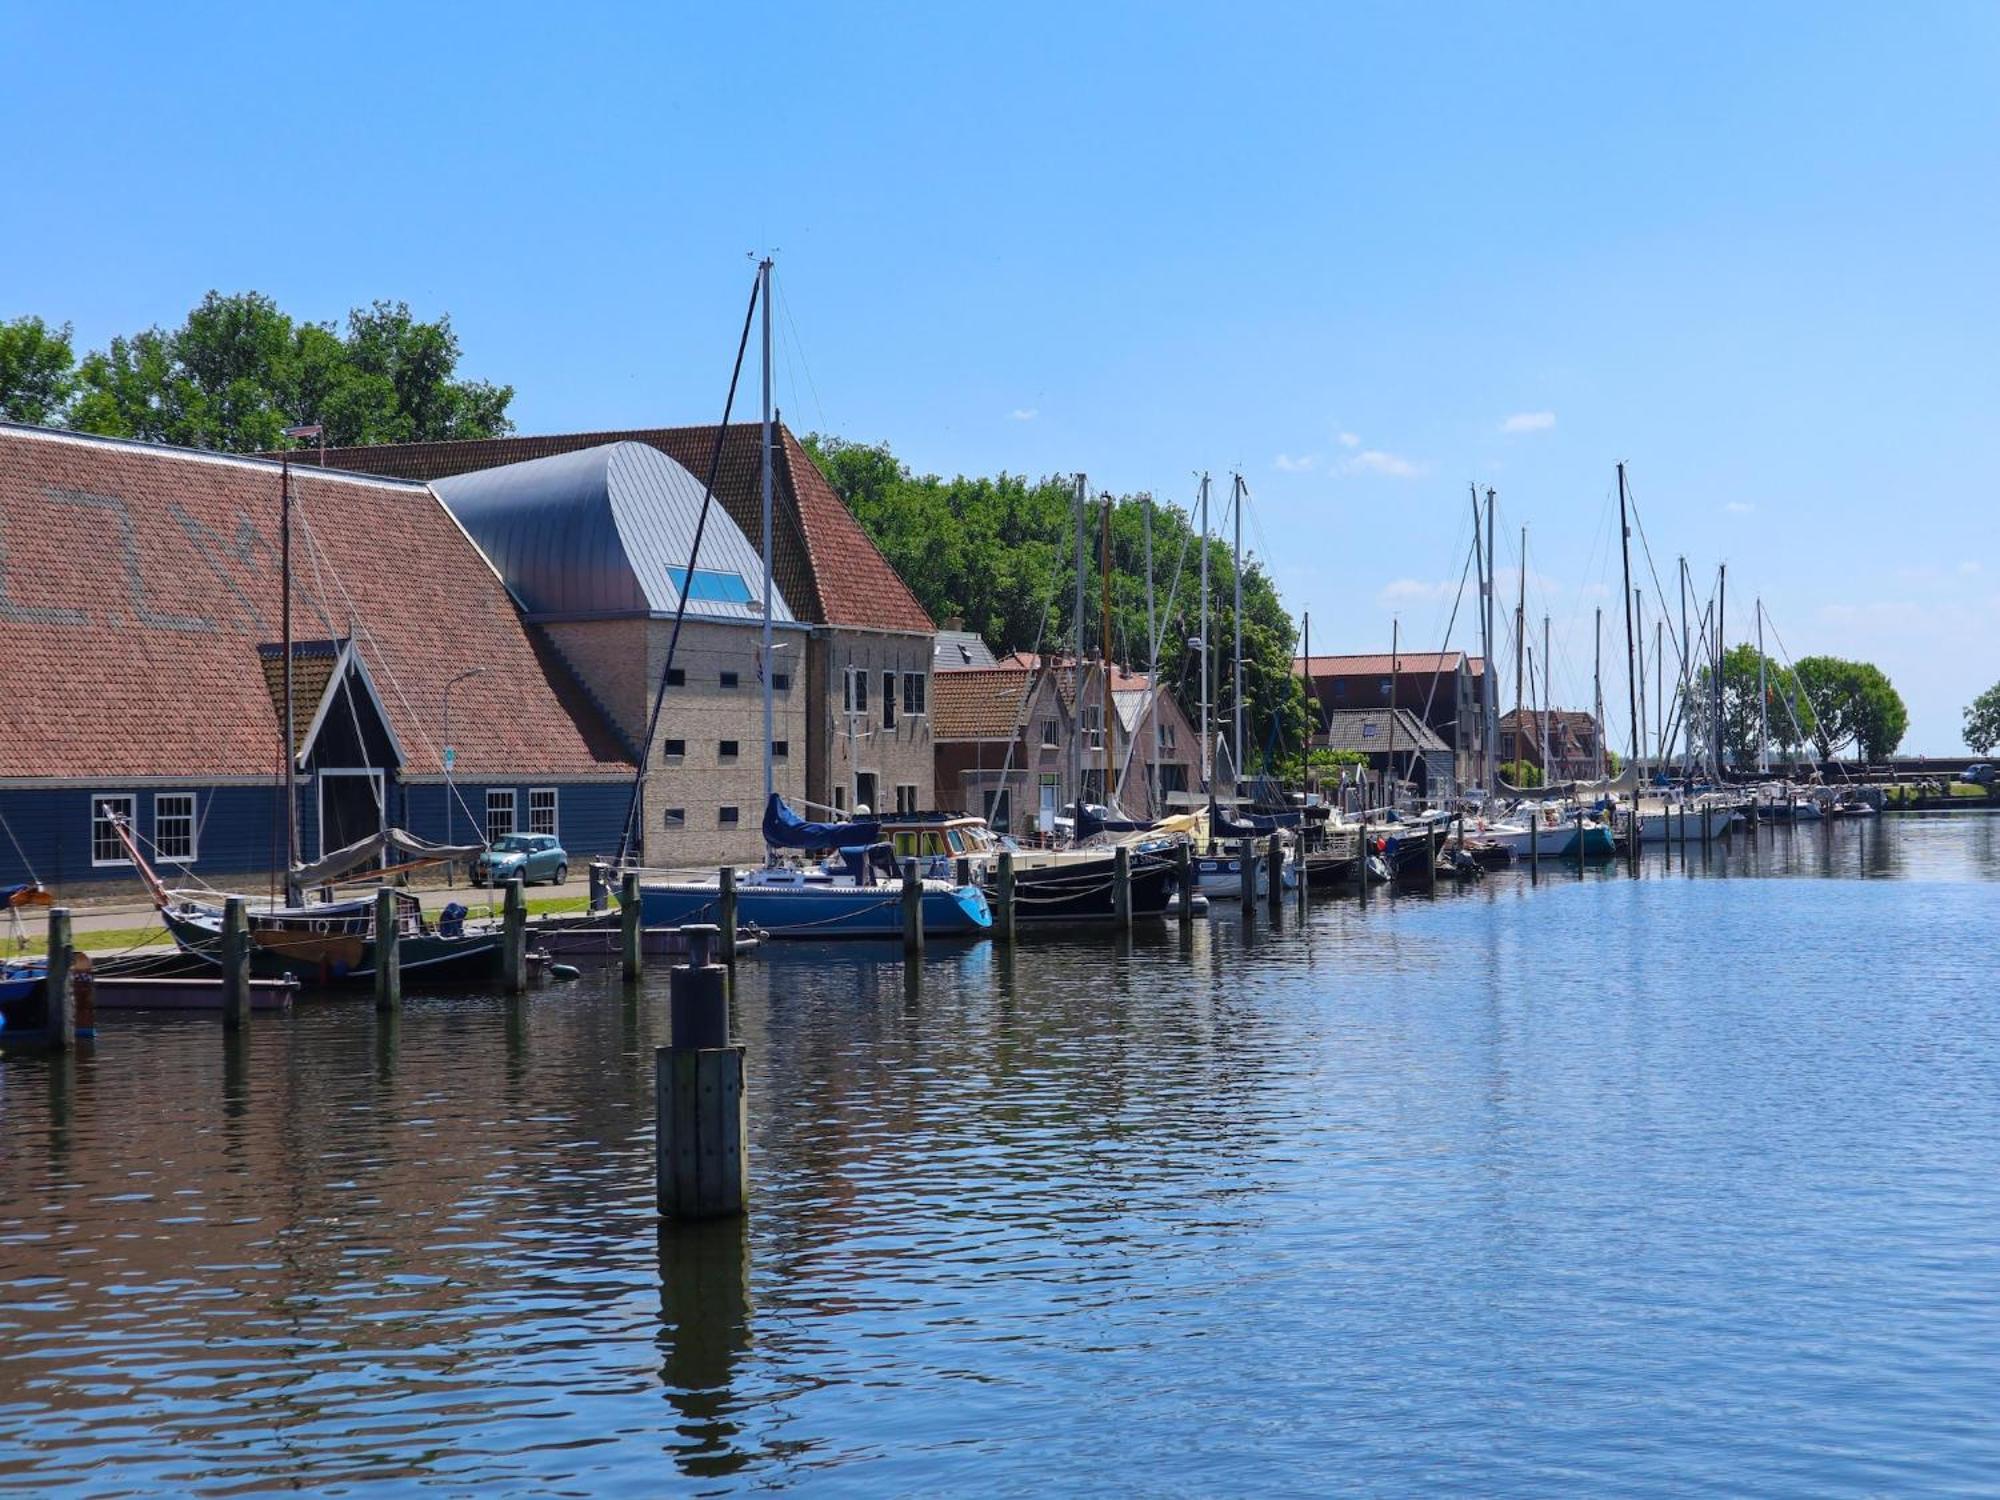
(137, 583)
(826, 566)
(978, 703)
(1377, 666)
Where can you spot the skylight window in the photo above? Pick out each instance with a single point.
(712, 586)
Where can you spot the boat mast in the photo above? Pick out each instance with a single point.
(1763, 718)
(1076, 738)
(1547, 684)
(1686, 689)
(1485, 777)
(1520, 644)
(1153, 798)
(1659, 690)
(1207, 770)
(1104, 650)
(1490, 692)
(764, 290)
(291, 741)
(1631, 671)
(1597, 694)
(1395, 646)
(1721, 654)
(1236, 496)
(1639, 636)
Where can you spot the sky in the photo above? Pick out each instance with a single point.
(1366, 255)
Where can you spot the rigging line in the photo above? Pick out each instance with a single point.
(1659, 591)
(1799, 683)
(1431, 697)
(798, 344)
(645, 747)
(19, 851)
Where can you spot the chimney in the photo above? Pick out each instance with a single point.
(954, 622)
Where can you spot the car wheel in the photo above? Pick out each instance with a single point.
(562, 874)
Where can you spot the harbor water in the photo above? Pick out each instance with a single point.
(1596, 1184)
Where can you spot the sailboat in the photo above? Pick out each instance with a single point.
(863, 898)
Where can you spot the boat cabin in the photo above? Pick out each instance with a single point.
(939, 836)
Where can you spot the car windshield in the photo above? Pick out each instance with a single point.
(512, 844)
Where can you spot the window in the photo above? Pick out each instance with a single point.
(888, 700)
(1093, 727)
(864, 791)
(711, 586)
(1386, 682)
(855, 696)
(781, 749)
(676, 677)
(999, 806)
(729, 679)
(1166, 736)
(542, 810)
(1340, 688)
(677, 817)
(1050, 732)
(1172, 777)
(781, 682)
(840, 799)
(499, 812)
(915, 685)
(673, 749)
(727, 749)
(173, 827)
(725, 817)
(906, 798)
(105, 812)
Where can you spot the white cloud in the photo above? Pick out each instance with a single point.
(1529, 421)
(1375, 461)
(1024, 414)
(1969, 567)
(1349, 440)
(1738, 508)
(1287, 463)
(1414, 591)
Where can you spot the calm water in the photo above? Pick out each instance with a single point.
(1610, 1185)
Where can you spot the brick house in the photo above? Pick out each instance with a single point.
(1442, 688)
(1574, 738)
(140, 637)
(1002, 738)
(868, 642)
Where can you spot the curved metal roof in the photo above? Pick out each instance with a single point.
(605, 532)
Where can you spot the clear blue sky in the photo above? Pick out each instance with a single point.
(1749, 250)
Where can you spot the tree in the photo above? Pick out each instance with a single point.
(1853, 703)
(1787, 715)
(36, 370)
(1523, 773)
(1982, 721)
(240, 370)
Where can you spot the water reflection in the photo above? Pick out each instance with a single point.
(704, 1335)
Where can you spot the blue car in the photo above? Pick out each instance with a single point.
(528, 857)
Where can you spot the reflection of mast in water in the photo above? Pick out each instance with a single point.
(704, 1333)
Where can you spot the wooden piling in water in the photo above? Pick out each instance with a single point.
(962, 871)
(59, 998)
(1184, 881)
(913, 910)
(631, 948)
(1535, 846)
(514, 940)
(1361, 863)
(725, 912)
(235, 964)
(600, 886)
(389, 951)
(1579, 843)
(700, 1108)
(1274, 876)
(1121, 885)
(1003, 897)
(1246, 873)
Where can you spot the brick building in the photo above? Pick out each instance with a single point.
(1574, 738)
(1442, 688)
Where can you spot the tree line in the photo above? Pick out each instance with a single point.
(238, 371)
(1833, 705)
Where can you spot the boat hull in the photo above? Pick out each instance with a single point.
(806, 912)
(281, 950)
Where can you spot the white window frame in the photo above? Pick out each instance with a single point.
(554, 794)
(513, 813)
(131, 801)
(1051, 733)
(855, 691)
(193, 827)
(916, 695)
(906, 796)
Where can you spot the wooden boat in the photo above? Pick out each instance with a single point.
(1068, 885)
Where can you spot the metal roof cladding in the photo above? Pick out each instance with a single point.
(606, 533)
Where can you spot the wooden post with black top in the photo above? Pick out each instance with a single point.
(631, 950)
(59, 998)
(1246, 873)
(1003, 897)
(913, 909)
(1184, 880)
(725, 912)
(235, 964)
(1361, 862)
(1121, 885)
(1274, 876)
(389, 951)
(701, 1166)
(514, 940)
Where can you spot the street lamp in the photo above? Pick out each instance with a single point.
(451, 755)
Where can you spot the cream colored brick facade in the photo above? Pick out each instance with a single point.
(852, 749)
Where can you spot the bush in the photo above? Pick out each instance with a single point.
(1521, 773)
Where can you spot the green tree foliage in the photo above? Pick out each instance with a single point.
(239, 371)
(36, 370)
(1982, 721)
(1788, 715)
(1522, 773)
(999, 553)
(1854, 704)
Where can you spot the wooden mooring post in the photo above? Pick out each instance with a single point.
(1361, 863)
(725, 912)
(1579, 843)
(1246, 873)
(962, 871)
(600, 886)
(1121, 885)
(701, 1169)
(631, 948)
(1003, 897)
(913, 910)
(1535, 846)
(235, 964)
(1274, 877)
(59, 997)
(514, 940)
(389, 951)
(1183, 880)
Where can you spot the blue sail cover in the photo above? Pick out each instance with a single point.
(785, 829)
(1223, 826)
(1091, 821)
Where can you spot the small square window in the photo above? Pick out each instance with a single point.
(726, 816)
(676, 817)
(673, 749)
(781, 682)
(173, 826)
(676, 677)
(729, 679)
(781, 749)
(727, 749)
(105, 846)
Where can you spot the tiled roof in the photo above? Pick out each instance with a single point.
(137, 583)
(825, 564)
(1559, 719)
(957, 650)
(312, 670)
(1407, 663)
(978, 703)
(1368, 730)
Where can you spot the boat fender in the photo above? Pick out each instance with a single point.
(320, 925)
(564, 971)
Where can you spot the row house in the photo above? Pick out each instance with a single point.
(1574, 739)
(1442, 688)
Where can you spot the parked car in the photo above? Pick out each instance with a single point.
(1980, 773)
(528, 856)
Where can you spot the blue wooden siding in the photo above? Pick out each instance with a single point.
(239, 830)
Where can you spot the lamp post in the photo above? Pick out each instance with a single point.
(450, 792)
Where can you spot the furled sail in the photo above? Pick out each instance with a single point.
(785, 829)
(365, 851)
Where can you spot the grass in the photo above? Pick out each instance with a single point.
(1904, 792)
